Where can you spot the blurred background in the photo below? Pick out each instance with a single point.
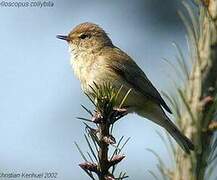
(40, 96)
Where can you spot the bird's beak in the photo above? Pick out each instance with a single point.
(62, 37)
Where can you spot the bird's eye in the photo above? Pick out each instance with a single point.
(83, 36)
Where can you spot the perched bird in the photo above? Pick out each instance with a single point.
(95, 59)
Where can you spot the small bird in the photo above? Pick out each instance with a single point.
(95, 59)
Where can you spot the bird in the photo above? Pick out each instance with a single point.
(96, 60)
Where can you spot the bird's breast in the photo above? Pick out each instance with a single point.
(84, 67)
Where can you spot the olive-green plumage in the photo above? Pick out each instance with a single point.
(95, 59)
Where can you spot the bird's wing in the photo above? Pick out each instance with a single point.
(122, 64)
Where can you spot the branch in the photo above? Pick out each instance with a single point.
(100, 132)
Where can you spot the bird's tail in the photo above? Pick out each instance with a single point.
(180, 138)
(157, 115)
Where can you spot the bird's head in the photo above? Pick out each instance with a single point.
(86, 36)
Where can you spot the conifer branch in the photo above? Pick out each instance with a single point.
(99, 135)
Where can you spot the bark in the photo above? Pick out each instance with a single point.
(103, 152)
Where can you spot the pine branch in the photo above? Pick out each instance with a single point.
(99, 134)
(197, 112)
